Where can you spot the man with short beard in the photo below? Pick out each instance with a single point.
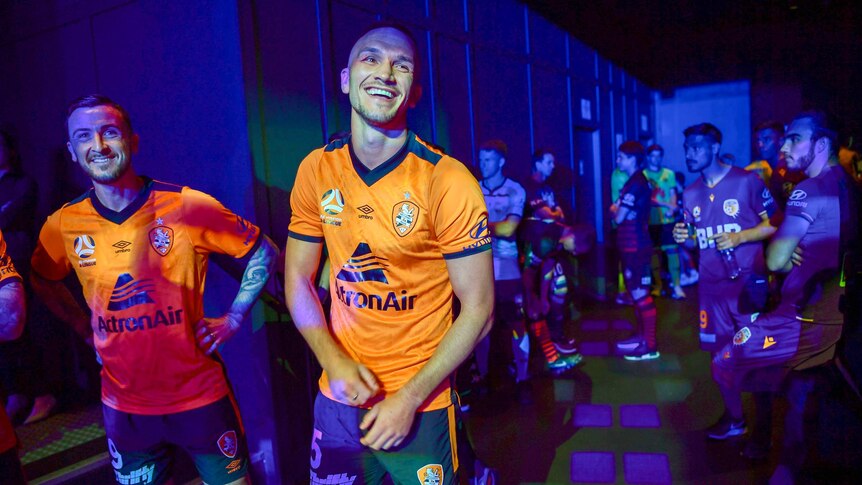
(139, 248)
(407, 232)
(800, 335)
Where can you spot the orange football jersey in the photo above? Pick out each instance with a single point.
(7, 275)
(389, 232)
(143, 272)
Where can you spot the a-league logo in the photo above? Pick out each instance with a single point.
(84, 246)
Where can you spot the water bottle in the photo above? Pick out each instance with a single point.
(730, 263)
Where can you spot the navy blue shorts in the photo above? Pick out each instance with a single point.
(637, 269)
(428, 455)
(140, 445)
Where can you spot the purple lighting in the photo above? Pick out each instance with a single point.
(639, 416)
(646, 468)
(593, 467)
(593, 415)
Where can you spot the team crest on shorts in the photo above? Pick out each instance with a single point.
(430, 474)
(731, 207)
(742, 336)
(404, 217)
(162, 239)
(227, 443)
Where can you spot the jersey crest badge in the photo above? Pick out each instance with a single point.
(731, 207)
(162, 239)
(430, 475)
(227, 443)
(742, 336)
(696, 213)
(404, 217)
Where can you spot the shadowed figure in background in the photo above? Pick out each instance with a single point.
(631, 214)
(12, 316)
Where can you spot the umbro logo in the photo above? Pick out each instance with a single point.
(363, 265)
(129, 293)
(365, 210)
(122, 247)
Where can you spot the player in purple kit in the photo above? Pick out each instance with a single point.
(802, 333)
(729, 209)
(631, 213)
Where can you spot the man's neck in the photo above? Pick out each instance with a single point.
(494, 181)
(817, 167)
(713, 174)
(374, 145)
(118, 195)
(538, 177)
(653, 168)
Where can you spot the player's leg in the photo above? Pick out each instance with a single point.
(214, 437)
(638, 279)
(429, 454)
(137, 448)
(337, 456)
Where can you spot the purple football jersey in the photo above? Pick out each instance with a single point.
(813, 287)
(632, 233)
(733, 205)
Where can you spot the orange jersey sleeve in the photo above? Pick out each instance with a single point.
(49, 259)
(217, 229)
(305, 223)
(460, 217)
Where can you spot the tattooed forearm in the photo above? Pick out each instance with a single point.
(256, 274)
(12, 310)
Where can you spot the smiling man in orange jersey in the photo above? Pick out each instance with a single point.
(407, 231)
(140, 250)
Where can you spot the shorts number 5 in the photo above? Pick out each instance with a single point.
(316, 452)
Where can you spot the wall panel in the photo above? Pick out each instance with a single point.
(547, 41)
(500, 98)
(453, 110)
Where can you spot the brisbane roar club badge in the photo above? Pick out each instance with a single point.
(404, 217)
(430, 475)
(161, 238)
(227, 444)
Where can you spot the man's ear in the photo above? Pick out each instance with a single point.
(71, 151)
(345, 80)
(502, 161)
